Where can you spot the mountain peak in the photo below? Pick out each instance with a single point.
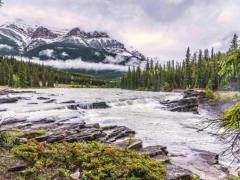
(76, 32)
(43, 32)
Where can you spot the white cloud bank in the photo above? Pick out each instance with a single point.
(6, 47)
(77, 64)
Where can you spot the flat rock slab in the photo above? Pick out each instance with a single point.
(177, 173)
(8, 100)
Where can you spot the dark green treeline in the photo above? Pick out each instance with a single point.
(22, 74)
(202, 69)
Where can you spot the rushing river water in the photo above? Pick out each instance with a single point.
(140, 111)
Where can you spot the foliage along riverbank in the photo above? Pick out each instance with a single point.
(61, 160)
(20, 74)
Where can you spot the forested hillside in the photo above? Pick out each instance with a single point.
(202, 69)
(22, 74)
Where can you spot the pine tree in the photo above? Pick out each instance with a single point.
(234, 43)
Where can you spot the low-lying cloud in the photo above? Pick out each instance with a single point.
(76, 64)
(5, 47)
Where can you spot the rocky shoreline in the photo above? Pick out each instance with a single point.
(121, 136)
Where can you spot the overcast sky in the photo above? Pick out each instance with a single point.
(157, 28)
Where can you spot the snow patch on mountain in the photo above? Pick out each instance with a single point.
(48, 53)
(64, 54)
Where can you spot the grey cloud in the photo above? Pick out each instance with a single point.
(165, 11)
(162, 28)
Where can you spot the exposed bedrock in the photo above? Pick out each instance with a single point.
(8, 100)
(189, 102)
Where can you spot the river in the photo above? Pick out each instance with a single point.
(140, 111)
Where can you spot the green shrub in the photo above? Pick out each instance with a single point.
(95, 161)
(232, 117)
(8, 139)
(209, 94)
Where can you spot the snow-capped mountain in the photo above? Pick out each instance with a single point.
(48, 44)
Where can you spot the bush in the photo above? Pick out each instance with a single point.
(232, 117)
(8, 139)
(95, 161)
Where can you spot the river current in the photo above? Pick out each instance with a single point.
(140, 111)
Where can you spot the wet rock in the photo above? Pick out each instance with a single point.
(12, 121)
(209, 157)
(8, 100)
(68, 102)
(10, 91)
(43, 98)
(131, 144)
(18, 167)
(3, 110)
(50, 101)
(118, 133)
(162, 158)
(96, 105)
(189, 103)
(33, 103)
(45, 121)
(154, 151)
(96, 125)
(203, 163)
(190, 93)
(177, 173)
(105, 128)
(73, 107)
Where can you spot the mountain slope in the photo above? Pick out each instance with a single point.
(47, 44)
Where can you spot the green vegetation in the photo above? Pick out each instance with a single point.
(201, 70)
(26, 74)
(232, 117)
(92, 160)
(8, 139)
(234, 177)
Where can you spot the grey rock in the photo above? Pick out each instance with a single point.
(68, 102)
(153, 151)
(18, 167)
(177, 173)
(50, 101)
(131, 144)
(8, 100)
(43, 98)
(12, 121)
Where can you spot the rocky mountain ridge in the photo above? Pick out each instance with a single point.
(48, 44)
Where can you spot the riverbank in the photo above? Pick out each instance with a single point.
(60, 109)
